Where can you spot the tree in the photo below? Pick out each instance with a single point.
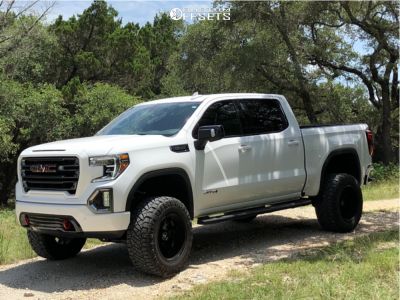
(280, 23)
(376, 26)
(91, 107)
(260, 51)
(34, 58)
(95, 46)
(17, 24)
(86, 43)
(34, 115)
(28, 117)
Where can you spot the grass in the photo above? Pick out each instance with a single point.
(14, 245)
(364, 268)
(381, 190)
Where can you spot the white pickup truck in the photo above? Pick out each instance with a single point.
(144, 177)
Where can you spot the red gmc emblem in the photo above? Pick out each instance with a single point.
(43, 168)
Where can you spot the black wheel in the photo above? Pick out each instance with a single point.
(246, 219)
(339, 208)
(159, 237)
(54, 248)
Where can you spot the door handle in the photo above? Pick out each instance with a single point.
(244, 148)
(293, 143)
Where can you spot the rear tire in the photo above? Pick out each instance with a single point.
(159, 237)
(339, 209)
(54, 248)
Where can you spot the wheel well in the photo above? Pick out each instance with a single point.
(342, 161)
(162, 183)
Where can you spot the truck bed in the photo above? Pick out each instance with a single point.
(321, 140)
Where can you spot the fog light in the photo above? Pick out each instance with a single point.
(101, 201)
(68, 225)
(24, 220)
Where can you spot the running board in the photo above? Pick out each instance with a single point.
(252, 211)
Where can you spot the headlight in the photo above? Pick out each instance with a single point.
(113, 165)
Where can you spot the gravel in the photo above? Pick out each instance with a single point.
(105, 271)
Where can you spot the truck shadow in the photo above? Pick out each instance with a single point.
(264, 239)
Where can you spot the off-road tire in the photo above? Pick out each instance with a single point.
(54, 248)
(339, 208)
(148, 234)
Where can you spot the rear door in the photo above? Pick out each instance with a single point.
(271, 154)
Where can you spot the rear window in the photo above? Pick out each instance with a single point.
(260, 116)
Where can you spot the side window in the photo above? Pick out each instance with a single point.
(221, 113)
(260, 116)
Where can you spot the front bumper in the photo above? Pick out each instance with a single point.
(91, 225)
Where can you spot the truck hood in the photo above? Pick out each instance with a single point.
(102, 144)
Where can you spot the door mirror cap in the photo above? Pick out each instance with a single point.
(209, 133)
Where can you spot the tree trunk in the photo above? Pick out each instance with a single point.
(7, 182)
(305, 96)
(387, 152)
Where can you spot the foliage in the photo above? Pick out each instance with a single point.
(334, 28)
(364, 268)
(388, 172)
(33, 115)
(93, 106)
(17, 22)
(95, 46)
(34, 58)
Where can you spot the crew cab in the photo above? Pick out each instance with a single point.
(147, 175)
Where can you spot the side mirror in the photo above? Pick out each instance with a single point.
(208, 133)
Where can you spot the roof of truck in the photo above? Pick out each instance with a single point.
(201, 98)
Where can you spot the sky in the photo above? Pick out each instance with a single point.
(130, 11)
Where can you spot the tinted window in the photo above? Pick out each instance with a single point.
(221, 113)
(261, 116)
(152, 119)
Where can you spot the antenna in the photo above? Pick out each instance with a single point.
(195, 94)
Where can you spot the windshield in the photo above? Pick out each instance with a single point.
(152, 119)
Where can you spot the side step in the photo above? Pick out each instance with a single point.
(252, 211)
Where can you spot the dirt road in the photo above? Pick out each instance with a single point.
(105, 272)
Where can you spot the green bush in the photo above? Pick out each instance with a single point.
(32, 115)
(385, 173)
(96, 105)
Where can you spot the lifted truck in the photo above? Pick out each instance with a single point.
(144, 177)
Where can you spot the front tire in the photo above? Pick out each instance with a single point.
(55, 248)
(340, 207)
(159, 237)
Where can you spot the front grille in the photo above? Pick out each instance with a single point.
(51, 222)
(50, 173)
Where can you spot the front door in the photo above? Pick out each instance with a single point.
(217, 167)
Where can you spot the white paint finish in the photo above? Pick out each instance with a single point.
(88, 221)
(217, 168)
(245, 171)
(321, 141)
